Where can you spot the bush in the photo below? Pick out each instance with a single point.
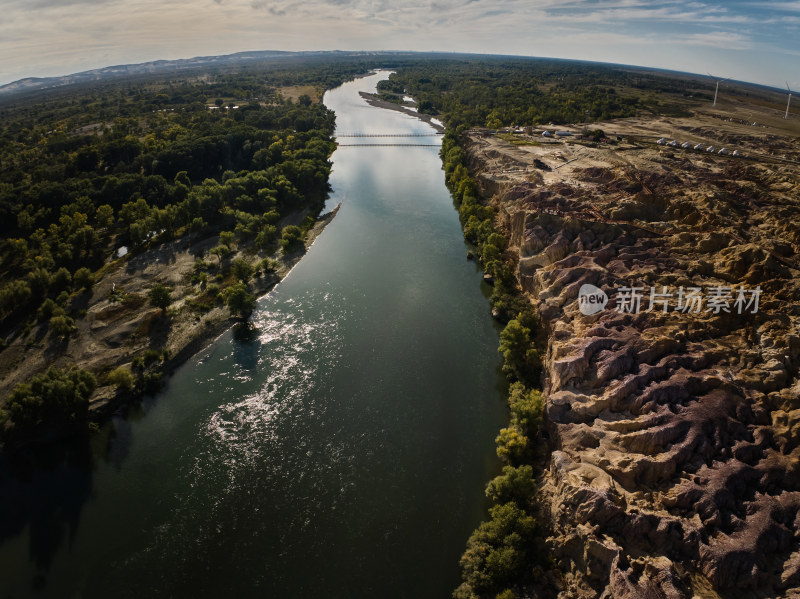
(54, 396)
(197, 225)
(527, 406)
(239, 301)
(62, 325)
(242, 270)
(521, 358)
(83, 278)
(226, 238)
(515, 484)
(160, 296)
(48, 309)
(61, 280)
(291, 238)
(497, 552)
(121, 377)
(512, 445)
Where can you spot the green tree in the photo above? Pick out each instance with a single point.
(197, 225)
(226, 238)
(121, 377)
(520, 357)
(54, 396)
(512, 444)
(221, 252)
(497, 551)
(242, 270)
(291, 238)
(62, 325)
(60, 280)
(104, 216)
(160, 296)
(48, 309)
(527, 406)
(83, 278)
(515, 484)
(239, 301)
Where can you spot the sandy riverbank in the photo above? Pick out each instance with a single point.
(374, 100)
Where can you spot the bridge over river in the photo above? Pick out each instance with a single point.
(386, 135)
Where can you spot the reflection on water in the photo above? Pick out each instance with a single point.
(335, 446)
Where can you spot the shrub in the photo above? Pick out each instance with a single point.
(61, 280)
(512, 445)
(291, 238)
(497, 551)
(62, 325)
(242, 270)
(160, 296)
(54, 396)
(48, 309)
(515, 484)
(239, 301)
(121, 377)
(527, 406)
(83, 278)
(226, 238)
(521, 358)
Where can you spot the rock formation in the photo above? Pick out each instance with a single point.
(675, 435)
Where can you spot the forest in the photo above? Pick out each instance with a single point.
(136, 164)
(493, 92)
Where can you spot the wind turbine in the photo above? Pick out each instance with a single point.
(789, 101)
(716, 91)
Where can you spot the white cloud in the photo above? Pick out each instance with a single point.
(718, 39)
(63, 36)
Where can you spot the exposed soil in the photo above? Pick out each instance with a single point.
(675, 437)
(374, 100)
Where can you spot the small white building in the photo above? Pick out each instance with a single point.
(686, 145)
(547, 134)
(710, 149)
(698, 147)
(661, 141)
(723, 152)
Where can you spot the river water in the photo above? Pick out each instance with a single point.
(340, 450)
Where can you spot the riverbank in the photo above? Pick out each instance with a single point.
(658, 416)
(374, 100)
(120, 324)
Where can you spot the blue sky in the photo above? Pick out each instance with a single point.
(752, 41)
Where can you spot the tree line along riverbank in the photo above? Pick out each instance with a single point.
(139, 221)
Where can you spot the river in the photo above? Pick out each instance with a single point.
(339, 450)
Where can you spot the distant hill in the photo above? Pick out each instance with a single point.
(155, 67)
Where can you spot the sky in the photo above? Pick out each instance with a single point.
(757, 41)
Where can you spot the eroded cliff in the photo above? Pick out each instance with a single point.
(675, 430)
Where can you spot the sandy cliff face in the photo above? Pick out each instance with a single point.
(675, 466)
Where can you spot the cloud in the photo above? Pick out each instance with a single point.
(718, 39)
(48, 37)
